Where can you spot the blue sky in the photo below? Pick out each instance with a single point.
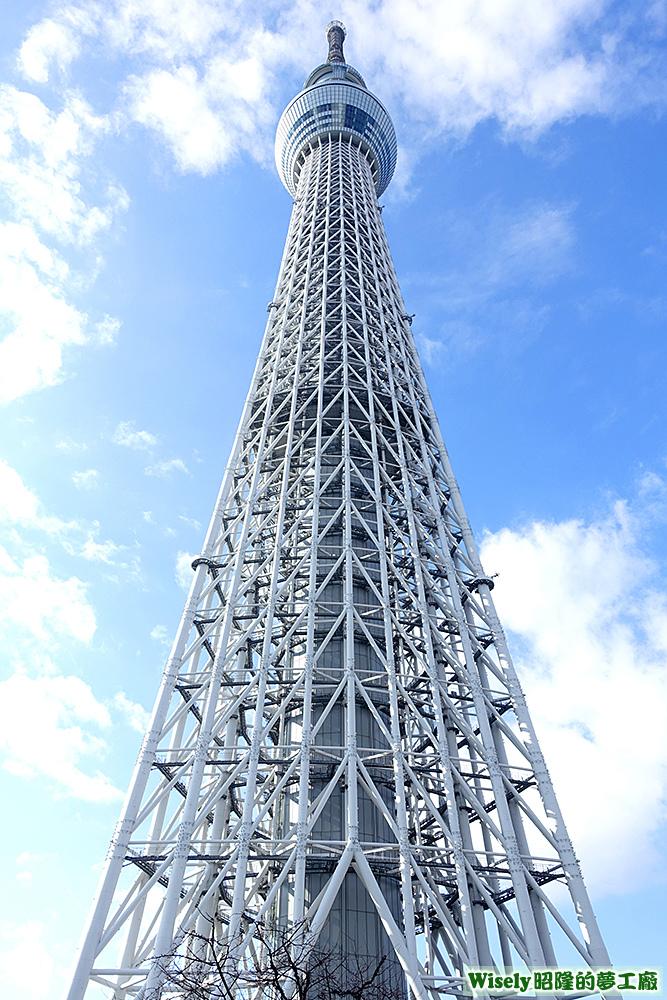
(142, 227)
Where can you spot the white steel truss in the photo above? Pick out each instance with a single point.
(340, 742)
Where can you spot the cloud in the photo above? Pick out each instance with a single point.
(68, 445)
(486, 290)
(20, 506)
(40, 603)
(39, 321)
(160, 633)
(25, 858)
(184, 570)
(205, 73)
(177, 105)
(88, 480)
(526, 64)
(48, 43)
(535, 245)
(126, 434)
(98, 551)
(504, 248)
(41, 158)
(165, 469)
(210, 112)
(134, 714)
(588, 616)
(58, 708)
(106, 331)
(42, 613)
(209, 79)
(17, 502)
(25, 949)
(190, 521)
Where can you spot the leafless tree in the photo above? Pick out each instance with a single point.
(282, 969)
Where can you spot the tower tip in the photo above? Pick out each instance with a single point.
(336, 36)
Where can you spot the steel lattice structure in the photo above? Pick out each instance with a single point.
(340, 743)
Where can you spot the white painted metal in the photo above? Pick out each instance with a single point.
(340, 747)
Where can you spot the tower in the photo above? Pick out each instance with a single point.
(340, 755)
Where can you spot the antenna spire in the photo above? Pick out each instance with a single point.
(336, 36)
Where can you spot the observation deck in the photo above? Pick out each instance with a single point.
(335, 102)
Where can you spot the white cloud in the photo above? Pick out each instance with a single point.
(106, 331)
(40, 603)
(528, 64)
(135, 715)
(42, 612)
(184, 570)
(162, 28)
(39, 321)
(176, 104)
(68, 445)
(209, 112)
(58, 708)
(537, 245)
(25, 858)
(483, 293)
(532, 243)
(25, 950)
(190, 521)
(17, 502)
(126, 434)
(98, 551)
(41, 157)
(590, 627)
(165, 469)
(206, 71)
(88, 480)
(20, 506)
(161, 634)
(48, 42)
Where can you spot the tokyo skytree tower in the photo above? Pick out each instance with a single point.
(340, 754)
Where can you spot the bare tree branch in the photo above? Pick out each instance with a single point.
(284, 969)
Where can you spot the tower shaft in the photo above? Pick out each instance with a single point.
(340, 755)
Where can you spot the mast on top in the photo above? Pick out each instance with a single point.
(336, 36)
